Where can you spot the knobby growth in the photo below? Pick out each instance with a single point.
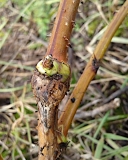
(50, 83)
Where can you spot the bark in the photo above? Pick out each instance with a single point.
(49, 89)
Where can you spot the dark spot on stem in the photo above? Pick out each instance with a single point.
(42, 148)
(73, 99)
(95, 64)
(42, 154)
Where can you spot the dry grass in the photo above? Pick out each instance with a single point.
(23, 45)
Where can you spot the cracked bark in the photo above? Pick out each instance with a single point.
(49, 91)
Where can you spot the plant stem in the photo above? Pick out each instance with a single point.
(66, 118)
(51, 80)
(64, 23)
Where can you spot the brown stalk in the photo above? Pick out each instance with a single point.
(89, 72)
(1, 157)
(49, 88)
(64, 23)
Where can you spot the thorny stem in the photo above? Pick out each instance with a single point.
(64, 23)
(90, 71)
(51, 80)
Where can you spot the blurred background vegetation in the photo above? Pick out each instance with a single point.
(100, 128)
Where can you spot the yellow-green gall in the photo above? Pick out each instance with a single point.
(50, 66)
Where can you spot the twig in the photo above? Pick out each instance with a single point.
(115, 94)
(112, 105)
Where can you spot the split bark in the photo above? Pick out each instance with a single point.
(49, 90)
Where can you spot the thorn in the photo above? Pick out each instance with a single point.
(69, 44)
(73, 23)
(65, 38)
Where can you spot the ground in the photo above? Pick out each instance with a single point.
(99, 128)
